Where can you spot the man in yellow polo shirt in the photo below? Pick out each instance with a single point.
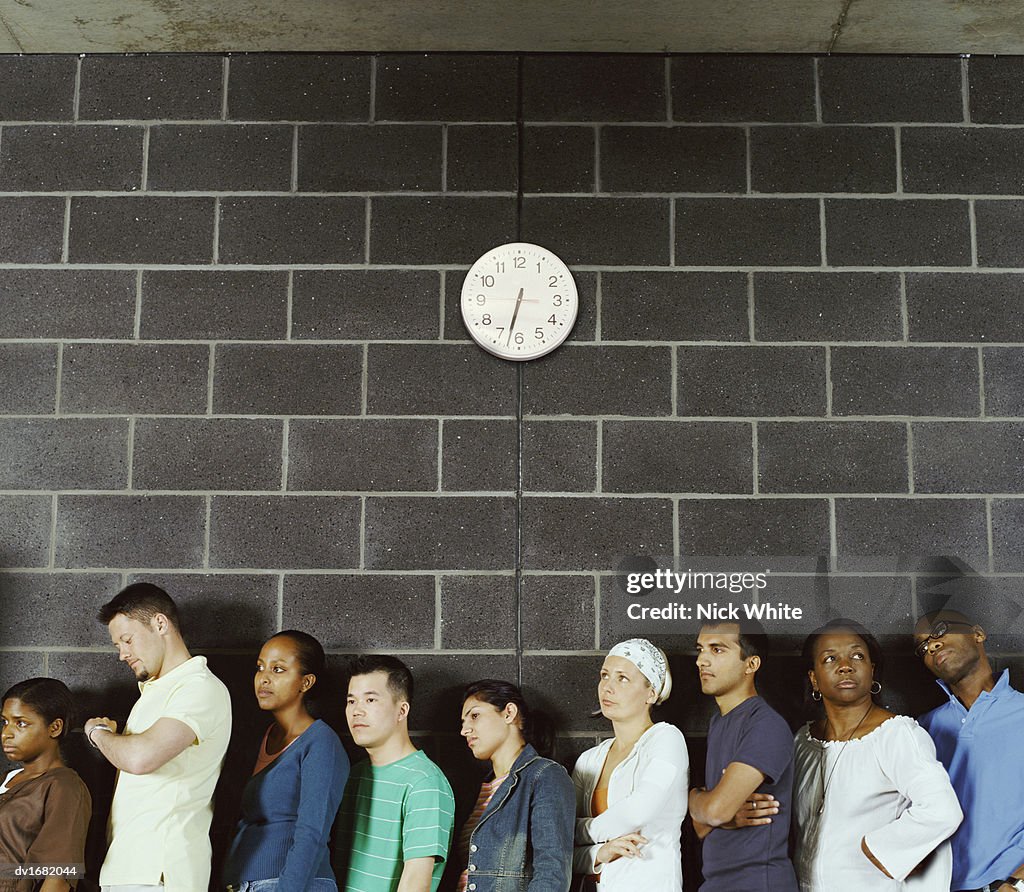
(170, 752)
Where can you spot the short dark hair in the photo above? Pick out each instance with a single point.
(753, 639)
(536, 727)
(399, 676)
(843, 625)
(47, 696)
(140, 601)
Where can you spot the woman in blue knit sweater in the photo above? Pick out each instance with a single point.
(291, 800)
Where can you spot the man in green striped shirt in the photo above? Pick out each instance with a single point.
(395, 822)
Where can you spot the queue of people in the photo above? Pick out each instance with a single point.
(875, 800)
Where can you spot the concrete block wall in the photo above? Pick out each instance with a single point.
(232, 358)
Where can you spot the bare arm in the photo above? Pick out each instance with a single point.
(140, 753)
(718, 806)
(54, 884)
(417, 875)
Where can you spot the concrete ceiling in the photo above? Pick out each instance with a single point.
(679, 26)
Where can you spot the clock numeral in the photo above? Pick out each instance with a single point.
(551, 319)
(520, 262)
(488, 281)
(538, 266)
(519, 338)
(538, 333)
(499, 266)
(501, 330)
(481, 300)
(552, 281)
(486, 320)
(557, 300)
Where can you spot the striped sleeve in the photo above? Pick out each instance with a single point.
(427, 818)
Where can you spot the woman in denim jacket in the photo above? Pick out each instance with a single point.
(519, 835)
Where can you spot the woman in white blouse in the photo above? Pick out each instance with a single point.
(631, 789)
(874, 807)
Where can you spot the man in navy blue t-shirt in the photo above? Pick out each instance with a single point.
(750, 750)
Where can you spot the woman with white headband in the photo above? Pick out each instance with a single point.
(631, 789)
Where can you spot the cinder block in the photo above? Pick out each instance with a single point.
(747, 231)
(449, 229)
(135, 378)
(565, 687)
(55, 609)
(357, 454)
(592, 87)
(888, 232)
(37, 88)
(57, 303)
(356, 612)
(673, 159)
(774, 529)
(64, 453)
(605, 381)
(559, 159)
(823, 159)
(18, 666)
(564, 533)
(907, 534)
(827, 307)
(570, 599)
(428, 533)
(1008, 534)
(130, 531)
(831, 457)
(998, 225)
(221, 610)
(559, 456)
(207, 453)
(365, 304)
(70, 158)
(478, 455)
(29, 373)
(962, 456)
(685, 306)
(868, 89)
(482, 158)
(677, 456)
(755, 381)
(1004, 381)
(581, 230)
(220, 157)
(287, 379)
(979, 160)
(427, 379)
(24, 542)
(141, 229)
(300, 229)
(168, 87)
(369, 158)
(445, 87)
(31, 229)
(742, 88)
(288, 532)
(214, 304)
(952, 307)
(995, 89)
(299, 87)
(464, 599)
(905, 381)
(101, 684)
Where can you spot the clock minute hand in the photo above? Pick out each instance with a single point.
(515, 313)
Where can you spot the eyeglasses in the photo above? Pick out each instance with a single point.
(939, 630)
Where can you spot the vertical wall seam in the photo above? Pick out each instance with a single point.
(898, 143)
(828, 381)
(444, 157)
(366, 231)
(280, 602)
(910, 458)
(755, 465)
(206, 532)
(749, 159)
(364, 384)
(674, 394)
(144, 186)
(294, 183)
(224, 78)
(209, 380)
(216, 229)
(973, 219)
(285, 434)
(751, 330)
(289, 306)
(822, 227)
(130, 458)
(982, 407)
(373, 89)
(598, 301)
(362, 532)
(816, 77)
(904, 308)
(599, 458)
(438, 613)
(440, 454)
(990, 537)
(965, 88)
(833, 537)
(60, 376)
(597, 158)
(51, 559)
(76, 101)
(668, 88)
(137, 323)
(66, 235)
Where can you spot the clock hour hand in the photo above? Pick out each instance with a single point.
(515, 313)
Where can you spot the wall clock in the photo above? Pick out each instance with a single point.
(519, 301)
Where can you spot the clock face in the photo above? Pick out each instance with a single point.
(519, 301)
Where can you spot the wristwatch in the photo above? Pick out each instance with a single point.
(1014, 883)
(99, 727)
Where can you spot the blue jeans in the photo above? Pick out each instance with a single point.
(317, 884)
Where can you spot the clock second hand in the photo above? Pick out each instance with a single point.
(515, 313)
